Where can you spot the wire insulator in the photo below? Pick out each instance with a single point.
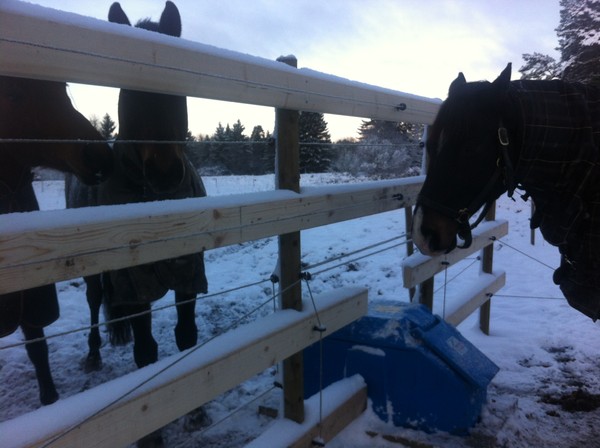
(306, 276)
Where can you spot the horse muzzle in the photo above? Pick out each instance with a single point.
(163, 181)
(434, 233)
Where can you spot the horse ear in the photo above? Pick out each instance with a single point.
(503, 81)
(170, 21)
(117, 15)
(459, 81)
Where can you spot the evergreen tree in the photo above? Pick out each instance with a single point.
(220, 134)
(258, 134)
(263, 150)
(579, 40)
(384, 149)
(107, 127)
(240, 158)
(540, 66)
(95, 121)
(214, 161)
(579, 45)
(389, 131)
(315, 143)
(236, 133)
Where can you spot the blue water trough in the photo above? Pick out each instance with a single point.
(420, 371)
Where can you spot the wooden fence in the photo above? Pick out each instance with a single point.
(44, 247)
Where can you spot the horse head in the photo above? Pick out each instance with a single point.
(468, 162)
(149, 119)
(41, 110)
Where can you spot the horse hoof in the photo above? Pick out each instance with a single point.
(120, 333)
(197, 419)
(93, 363)
(152, 440)
(48, 397)
(186, 337)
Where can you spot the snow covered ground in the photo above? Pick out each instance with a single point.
(545, 394)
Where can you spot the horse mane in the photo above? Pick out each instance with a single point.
(147, 24)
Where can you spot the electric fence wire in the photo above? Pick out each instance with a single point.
(216, 294)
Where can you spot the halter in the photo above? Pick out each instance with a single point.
(504, 170)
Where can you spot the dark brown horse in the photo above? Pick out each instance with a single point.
(146, 170)
(34, 110)
(540, 136)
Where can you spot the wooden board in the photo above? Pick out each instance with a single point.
(491, 285)
(328, 413)
(203, 374)
(39, 42)
(335, 422)
(418, 267)
(44, 247)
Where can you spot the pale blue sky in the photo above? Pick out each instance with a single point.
(415, 46)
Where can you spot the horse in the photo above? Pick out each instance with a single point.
(41, 110)
(146, 169)
(541, 137)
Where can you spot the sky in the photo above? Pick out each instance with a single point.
(413, 46)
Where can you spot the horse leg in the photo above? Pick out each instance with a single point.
(186, 331)
(145, 348)
(186, 336)
(38, 354)
(93, 293)
(145, 352)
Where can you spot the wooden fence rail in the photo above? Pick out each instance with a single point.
(45, 247)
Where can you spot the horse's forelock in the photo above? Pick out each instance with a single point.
(147, 24)
(169, 23)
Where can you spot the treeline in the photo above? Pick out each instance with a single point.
(382, 149)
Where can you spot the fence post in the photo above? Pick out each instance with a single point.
(487, 261)
(287, 176)
(425, 290)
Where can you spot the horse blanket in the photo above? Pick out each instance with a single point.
(559, 167)
(151, 281)
(36, 307)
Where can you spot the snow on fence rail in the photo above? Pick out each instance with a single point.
(45, 247)
(39, 42)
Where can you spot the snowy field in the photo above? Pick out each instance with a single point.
(543, 396)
